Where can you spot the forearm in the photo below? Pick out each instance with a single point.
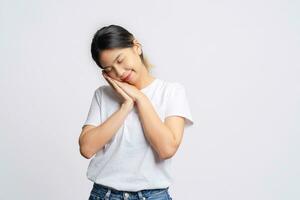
(95, 139)
(157, 133)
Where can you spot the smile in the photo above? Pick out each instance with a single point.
(127, 77)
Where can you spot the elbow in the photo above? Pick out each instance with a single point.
(86, 153)
(84, 150)
(167, 154)
(169, 150)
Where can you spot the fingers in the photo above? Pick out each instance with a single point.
(109, 81)
(116, 87)
(121, 91)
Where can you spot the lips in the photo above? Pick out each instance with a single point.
(127, 77)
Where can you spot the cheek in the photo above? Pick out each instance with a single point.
(131, 64)
(111, 74)
(107, 73)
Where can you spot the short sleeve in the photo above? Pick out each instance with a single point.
(94, 113)
(177, 104)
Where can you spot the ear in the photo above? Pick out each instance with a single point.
(137, 47)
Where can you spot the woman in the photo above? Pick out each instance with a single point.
(134, 125)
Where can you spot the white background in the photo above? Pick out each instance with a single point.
(239, 62)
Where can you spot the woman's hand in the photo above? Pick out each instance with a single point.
(128, 101)
(130, 90)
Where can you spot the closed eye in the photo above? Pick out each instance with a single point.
(108, 69)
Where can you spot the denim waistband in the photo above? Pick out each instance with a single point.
(98, 188)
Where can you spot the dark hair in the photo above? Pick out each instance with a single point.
(113, 36)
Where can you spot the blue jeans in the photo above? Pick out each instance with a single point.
(101, 192)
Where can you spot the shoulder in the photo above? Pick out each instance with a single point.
(106, 92)
(103, 89)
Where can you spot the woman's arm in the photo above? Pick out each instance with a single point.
(164, 137)
(93, 139)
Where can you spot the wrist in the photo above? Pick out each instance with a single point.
(140, 98)
(127, 106)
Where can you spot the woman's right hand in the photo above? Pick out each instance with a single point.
(128, 101)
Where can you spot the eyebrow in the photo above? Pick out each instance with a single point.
(113, 61)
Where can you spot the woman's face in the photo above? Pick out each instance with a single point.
(123, 64)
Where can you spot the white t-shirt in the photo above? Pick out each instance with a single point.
(128, 162)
